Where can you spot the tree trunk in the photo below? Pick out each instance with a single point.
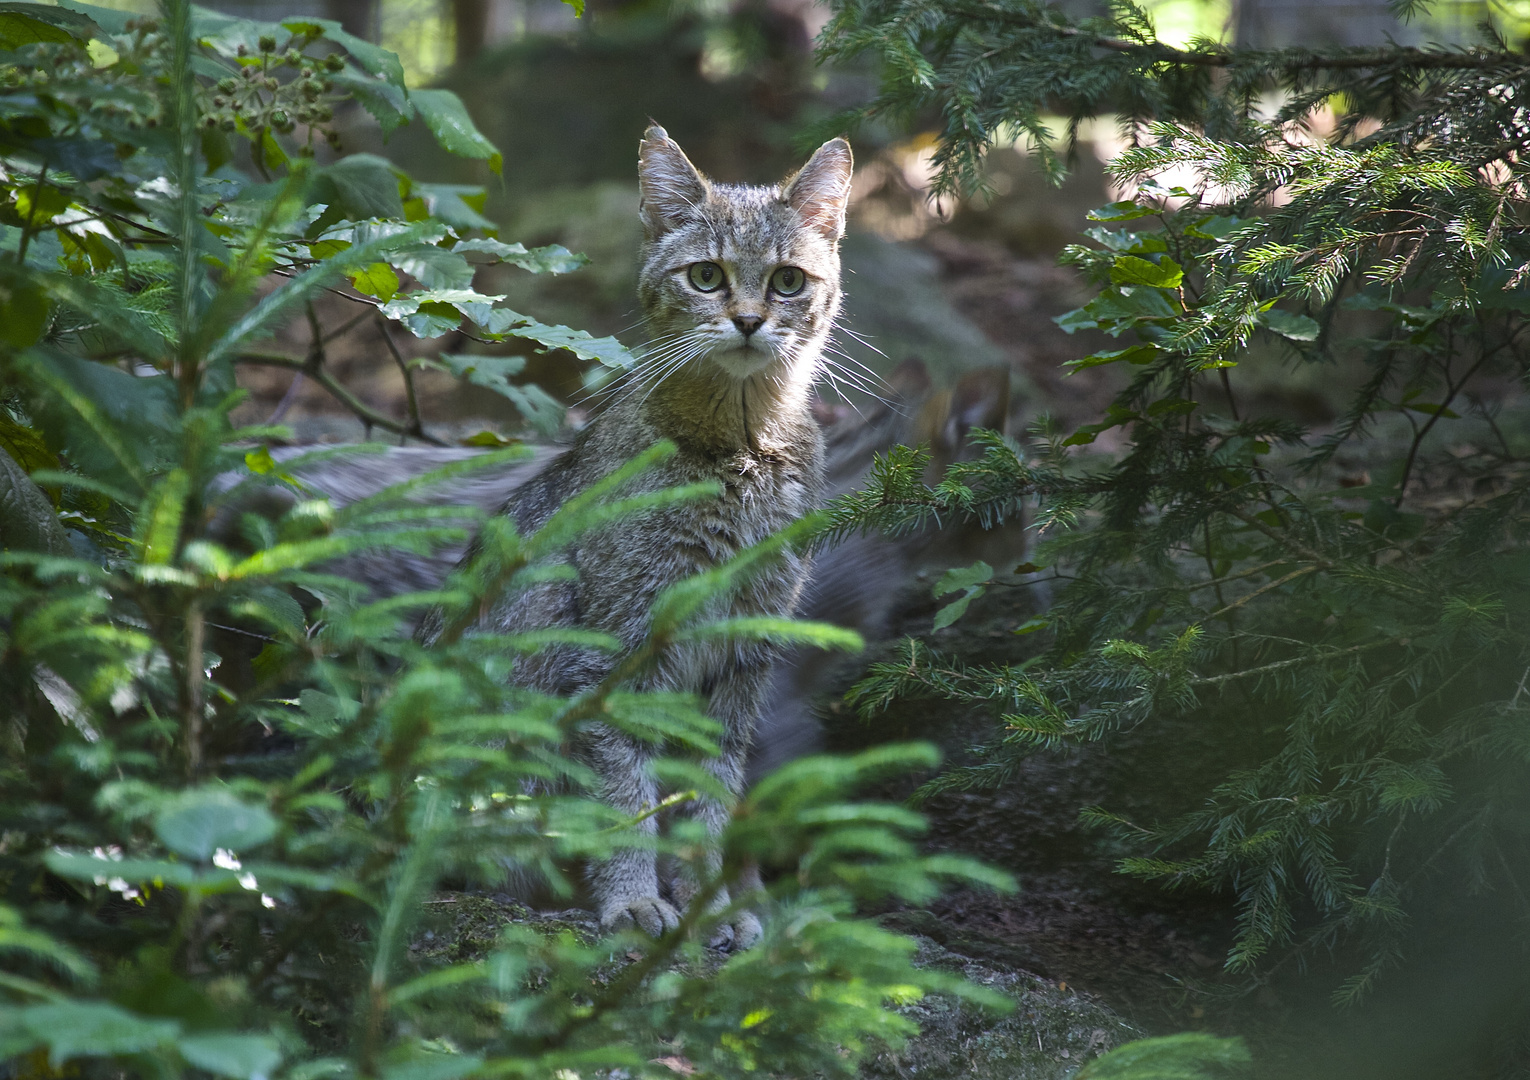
(471, 20)
(357, 17)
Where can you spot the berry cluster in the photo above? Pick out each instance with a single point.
(277, 91)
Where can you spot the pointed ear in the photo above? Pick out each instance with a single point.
(671, 188)
(821, 190)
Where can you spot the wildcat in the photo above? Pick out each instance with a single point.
(740, 286)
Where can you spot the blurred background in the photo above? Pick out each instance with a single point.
(958, 286)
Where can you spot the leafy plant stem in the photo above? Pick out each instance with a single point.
(192, 676)
(181, 107)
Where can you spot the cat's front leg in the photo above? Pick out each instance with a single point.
(626, 886)
(735, 701)
(743, 929)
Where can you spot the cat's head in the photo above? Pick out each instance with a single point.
(744, 278)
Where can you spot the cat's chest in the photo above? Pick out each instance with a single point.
(761, 494)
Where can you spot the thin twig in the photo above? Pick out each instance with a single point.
(411, 403)
(1292, 576)
(1212, 680)
(364, 412)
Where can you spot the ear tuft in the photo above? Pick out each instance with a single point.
(672, 190)
(821, 191)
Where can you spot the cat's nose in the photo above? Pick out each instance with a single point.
(748, 324)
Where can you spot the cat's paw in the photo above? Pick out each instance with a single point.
(742, 933)
(746, 931)
(649, 914)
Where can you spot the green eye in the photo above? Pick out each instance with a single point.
(788, 281)
(706, 276)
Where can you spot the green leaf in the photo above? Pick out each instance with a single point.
(387, 102)
(1131, 270)
(377, 280)
(24, 311)
(970, 578)
(448, 120)
(539, 408)
(432, 1066)
(112, 20)
(40, 204)
(1126, 210)
(199, 821)
(963, 578)
(1070, 322)
(956, 608)
(240, 1057)
(606, 351)
(552, 259)
(1214, 228)
(1290, 325)
(1133, 354)
(112, 423)
(82, 867)
(17, 29)
(458, 205)
(360, 186)
(94, 1029)
(436, 268)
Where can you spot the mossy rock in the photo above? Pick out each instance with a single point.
(1052, 1032)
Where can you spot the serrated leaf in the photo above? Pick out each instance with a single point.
(552, 259)
(199, 821)
(17, 29)
(448, 120)
(387, 102)
(607, 350)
